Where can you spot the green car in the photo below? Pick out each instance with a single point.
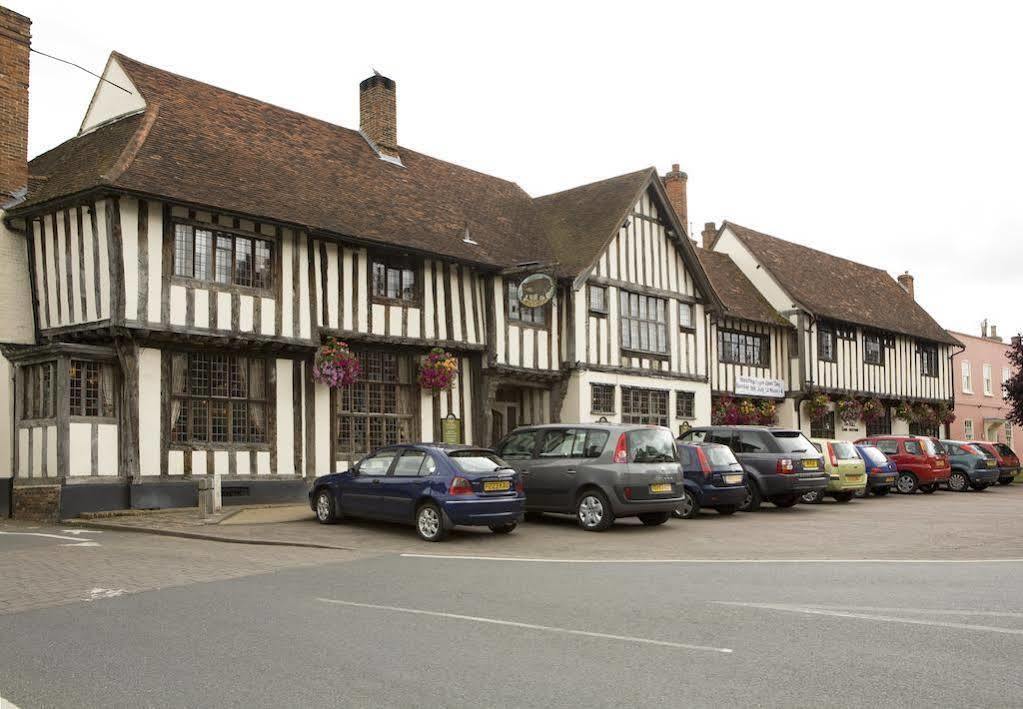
(847, 474)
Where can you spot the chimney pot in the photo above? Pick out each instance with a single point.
(983, 327)
(709, 232)
(675, 186)
(906, 281)
(15, 40)
(378, 113)
(994, 333)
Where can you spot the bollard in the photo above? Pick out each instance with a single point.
(206, 492)
(218, 500)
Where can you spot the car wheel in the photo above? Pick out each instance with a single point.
(653, 519)
(503, 528)
(785, 500)
(958, 482)
(813, 497)
(842, 496)
(593, 511)
(430, 523)
(929, 489)
(1005, 481)
(881, 491)
(727, 509)
(326, 510)
(689, 507)
(862, 493)
(753, 499)
(906, 483)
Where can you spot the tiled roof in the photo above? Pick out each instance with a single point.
(738, 294)
(840, 289)
(580, 221)
(207, 146)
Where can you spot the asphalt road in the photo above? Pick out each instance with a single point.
(402, 631)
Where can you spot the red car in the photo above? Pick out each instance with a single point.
(921, 461)
(1008, 462)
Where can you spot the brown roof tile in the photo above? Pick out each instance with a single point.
(840, 289)
(209, 146)
(738, 294)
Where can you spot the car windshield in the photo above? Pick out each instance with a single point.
(875, 456)
(929, 446)
(793, 442)
(1004, 449)
(652, 445)
(844, 450)
(720, 456)
(475, 461)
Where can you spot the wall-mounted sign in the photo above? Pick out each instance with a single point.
(536, 291)
(759, 387)
(451, 429)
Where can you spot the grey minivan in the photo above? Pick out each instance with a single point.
(598, 472)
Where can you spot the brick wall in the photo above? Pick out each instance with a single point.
(675, 187)
(40, 502)
(14, 44)
(378, 113)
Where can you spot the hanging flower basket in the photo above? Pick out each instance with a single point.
(335, 365)
(747, 412)
(945, 414)
(724, 411)
(439, 371)
(817, 407)
(767, 413)
(904, 412)
(925, 415)
(849, 410)
(872, 410)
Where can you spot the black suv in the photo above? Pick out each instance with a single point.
(781, 464)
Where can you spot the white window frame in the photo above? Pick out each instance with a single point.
(1006, 375)
(967, 377)
(968, 429)
(989, 385)
(1008, 434)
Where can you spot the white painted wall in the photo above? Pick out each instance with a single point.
(149, 411)
(6, 418)
(109, 102)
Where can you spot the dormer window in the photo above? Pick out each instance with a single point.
(395, 280)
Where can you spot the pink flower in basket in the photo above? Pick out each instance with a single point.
(438, 371)
(335, 365)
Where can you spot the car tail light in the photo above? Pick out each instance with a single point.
(704, 463)
(621, 451)
(460, 486)
(784, 465)
(627, 492)
(519, 486)
(876, 471)
(831, 454)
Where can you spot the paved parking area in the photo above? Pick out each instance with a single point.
(944, 525)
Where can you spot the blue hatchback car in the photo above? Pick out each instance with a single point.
(430, 485)
(881, 472)
(713, 478)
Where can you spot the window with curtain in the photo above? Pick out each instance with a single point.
(873, 349)
(395, 281)
(826, 342)
(219, 398)
(644, 406)
(381, 408)
(686, 320)
(219, 257)
(644, 323)
(743, 348)
(928, 360)
(38, 384)
(91, 389)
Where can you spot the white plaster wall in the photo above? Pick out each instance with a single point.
(51, 451)
(201, 307)
(149, 411)
(80, 449)
(729, 244)
(245, 312)
(285, 419)
(130, 251)
(6, 419)
(321, 402)
(107, 453)
(109, 102)
(154, 254)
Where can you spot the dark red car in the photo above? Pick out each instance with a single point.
(1008, 462)
(921, 461)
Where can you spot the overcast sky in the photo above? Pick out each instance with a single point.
(889, 133)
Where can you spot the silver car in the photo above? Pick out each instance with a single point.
(598, 472)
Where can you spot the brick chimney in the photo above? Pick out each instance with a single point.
(994, 333)
(675, 186)
(906, 281)
(983, 328)
(378, 113)
(709, 232)
(14, 43)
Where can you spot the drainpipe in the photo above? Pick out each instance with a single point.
(951, 381)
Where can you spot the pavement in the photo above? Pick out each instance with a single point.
(882, 602)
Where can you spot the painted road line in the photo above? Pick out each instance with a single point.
(538, 560)
(869, 616)
(79, 542)
(527, 626)
(5, 704)
(917, 611)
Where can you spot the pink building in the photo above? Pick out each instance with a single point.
(980, 370)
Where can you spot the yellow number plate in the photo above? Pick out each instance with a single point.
(496, 486)
(660, 487)
(991, 464)
(810, 464)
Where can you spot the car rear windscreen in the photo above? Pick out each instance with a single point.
(793, 442)
(651, 445)
(720, 457)
(1004, 449)
(476, 461)
(981, 450)
(929, 446)
(844, 450)
(875, 456)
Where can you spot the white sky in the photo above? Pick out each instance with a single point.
(889, 133)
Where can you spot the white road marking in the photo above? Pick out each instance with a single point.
(869, 616)
(79, 540)
(86, 543)
(918, 611)
(5, 704)
(98, 593)
(81, 531)
(710, 561)
(528, 626)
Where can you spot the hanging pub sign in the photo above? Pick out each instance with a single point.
(536, 291)
(451, 429)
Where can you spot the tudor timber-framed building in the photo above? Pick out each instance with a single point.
(187, 252)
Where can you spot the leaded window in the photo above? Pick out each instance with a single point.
(219, 398)
(91, 389)
(826, 342)
(598, 299)
(644, 323)
(824, 428)
(743, 348)
(395, 281)
(380, 409)
(602, 398)
(686, 321)
(685, 405)
(873, 349)
(38, 391)
(219, 257)
(517, 312)
(929, 360)
(644, 406)
(881, 426)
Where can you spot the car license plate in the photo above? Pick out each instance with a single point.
(496, 486)
(810, 464)
(733, 479)
(991, 464)
(658, 488)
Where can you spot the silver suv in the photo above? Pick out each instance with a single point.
(597, 472)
